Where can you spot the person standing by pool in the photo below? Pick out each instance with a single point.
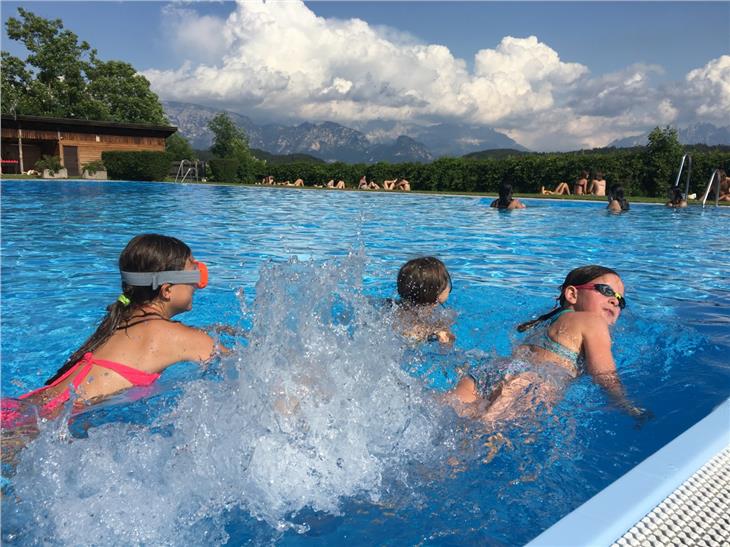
(617, 202)
(576, 339)
(505, 200)
(137, 339)
(598, 185)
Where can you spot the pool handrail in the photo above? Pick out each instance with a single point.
(688, 158)
(715, 174)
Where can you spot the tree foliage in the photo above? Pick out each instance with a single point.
(662, 158)
(178, 148)
(526, 172)
(230, 142)
(62, 77)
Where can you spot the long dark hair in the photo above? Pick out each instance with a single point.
(422, 280)
(505, 195)
(617, 193)
(143, 253)
(579, 276)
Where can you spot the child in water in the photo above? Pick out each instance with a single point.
(575, 339)
(423, 283)
(137, 339)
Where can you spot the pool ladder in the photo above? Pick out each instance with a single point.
(193, 169)
(688, 159)
(715, 177)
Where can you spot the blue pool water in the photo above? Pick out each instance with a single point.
(312, 433)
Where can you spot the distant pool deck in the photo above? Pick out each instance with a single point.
(680, 495)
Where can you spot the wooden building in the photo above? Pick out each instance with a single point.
(25, 139)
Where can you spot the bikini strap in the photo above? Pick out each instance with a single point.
(146, 316)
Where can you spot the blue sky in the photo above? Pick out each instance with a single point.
(599, 70)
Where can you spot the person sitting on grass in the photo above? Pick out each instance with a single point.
(389, 184)
(372, 185)
(561, 189)
(598, 185)
(363, 184)
(340, 185)
(403, 185)
(505, 200)
(617, 202)
(581, 185)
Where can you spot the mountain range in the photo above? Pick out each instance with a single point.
(330, 141)
(698, 133)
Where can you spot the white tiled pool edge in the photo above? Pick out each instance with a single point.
(609, 514)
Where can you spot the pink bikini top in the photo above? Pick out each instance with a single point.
(134, 376)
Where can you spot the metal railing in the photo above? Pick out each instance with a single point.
(688, 159)
(714, 177)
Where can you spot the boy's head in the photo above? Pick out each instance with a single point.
(424, 280)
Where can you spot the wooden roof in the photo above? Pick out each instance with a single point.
(86, 126)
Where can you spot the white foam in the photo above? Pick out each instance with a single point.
(315, 409)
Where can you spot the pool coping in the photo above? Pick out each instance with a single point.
(608, 515)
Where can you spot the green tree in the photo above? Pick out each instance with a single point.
(230, 142)
(661, 160)
(178, 148)
(123, 94)
(62, 77)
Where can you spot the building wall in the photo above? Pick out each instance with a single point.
(89, 145)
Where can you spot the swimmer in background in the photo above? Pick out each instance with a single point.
(136, 340)
(505, 200)
(423, 283)
(676, 198)
(617, 201)
(576, 339)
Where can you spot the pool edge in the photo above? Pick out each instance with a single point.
(608, 515)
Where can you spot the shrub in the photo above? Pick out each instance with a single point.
(94, 166)
(52, 163)
(224, 170)
(136, 165)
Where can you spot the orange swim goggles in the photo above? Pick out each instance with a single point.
(198, 277)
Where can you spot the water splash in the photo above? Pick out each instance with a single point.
(313, 410)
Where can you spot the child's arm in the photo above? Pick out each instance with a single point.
(601, 366)
(191, 344)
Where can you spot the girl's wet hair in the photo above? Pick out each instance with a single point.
(422, 280)
(143, 253)
(505, 195)
(579, 276)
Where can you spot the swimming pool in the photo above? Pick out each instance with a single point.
(369, 456)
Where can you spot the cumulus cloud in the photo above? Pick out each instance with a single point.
(707, 94)
(280, 61)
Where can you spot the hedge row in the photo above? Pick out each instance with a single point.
(136, 165)
(527, 173)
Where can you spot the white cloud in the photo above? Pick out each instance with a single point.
(280, 61)
(708, 90)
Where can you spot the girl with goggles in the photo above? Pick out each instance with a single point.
(137, 339)
(575, 339)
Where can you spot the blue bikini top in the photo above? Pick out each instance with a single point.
(543, 340)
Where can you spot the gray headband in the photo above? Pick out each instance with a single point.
(155, 279)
